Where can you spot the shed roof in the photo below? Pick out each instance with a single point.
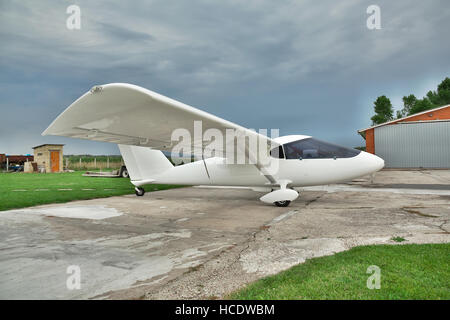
(48, 144)
(404, 118)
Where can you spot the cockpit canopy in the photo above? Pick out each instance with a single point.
(311, 148)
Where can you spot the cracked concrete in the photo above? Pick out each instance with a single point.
(332, 224)
(204, 243)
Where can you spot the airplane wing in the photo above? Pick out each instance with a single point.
(131, 115)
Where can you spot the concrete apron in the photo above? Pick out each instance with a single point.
(198, 243)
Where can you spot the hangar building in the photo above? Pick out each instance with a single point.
(421, 140)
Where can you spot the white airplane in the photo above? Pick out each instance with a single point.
(143, 123)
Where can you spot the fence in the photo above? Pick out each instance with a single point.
(93, 163)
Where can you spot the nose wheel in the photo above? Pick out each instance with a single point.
(284, 203)
(139, 191)
(281, 197)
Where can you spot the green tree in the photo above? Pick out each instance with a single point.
(422, 105)
(412, 105)
(383, 110)
(433, 99)
(408, 104)
(443, 92)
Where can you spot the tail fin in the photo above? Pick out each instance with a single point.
(144, 163)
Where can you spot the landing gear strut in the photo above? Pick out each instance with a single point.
(139, 191)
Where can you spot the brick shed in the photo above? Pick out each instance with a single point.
(49, 156)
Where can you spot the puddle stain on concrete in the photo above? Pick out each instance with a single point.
(94, 212)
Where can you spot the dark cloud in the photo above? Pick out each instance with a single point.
(122, 34)
(301, 66)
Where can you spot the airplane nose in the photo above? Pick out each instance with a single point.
(375, 162)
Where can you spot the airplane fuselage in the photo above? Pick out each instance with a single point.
(298, 172)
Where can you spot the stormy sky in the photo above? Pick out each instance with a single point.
(305, 67)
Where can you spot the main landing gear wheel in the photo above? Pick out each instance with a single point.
(284, 203)
(139, 191)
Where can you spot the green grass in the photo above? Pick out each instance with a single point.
(50, 183)
(398, 239)
(408, 271)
